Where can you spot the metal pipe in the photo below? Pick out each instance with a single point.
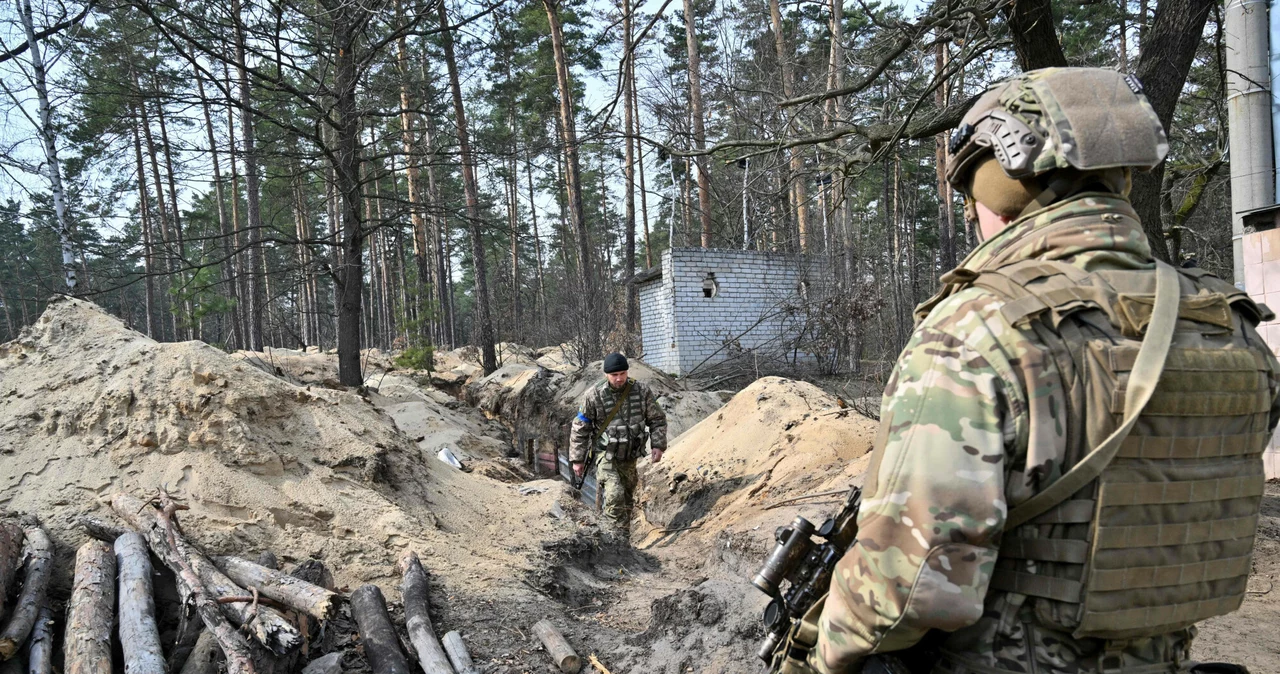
(1249, 114)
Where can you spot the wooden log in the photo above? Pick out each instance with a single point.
(139, 636)
(417, 620)
(268, 559)
(101, 529)
(87, 645)
(458, 655)
(37, 567)
(293, 592)
(40, 645)
(381, 645)
(559, 649)
(11, 538)
(269, 626)
(158, 528)
(204, 657)
(325, 664)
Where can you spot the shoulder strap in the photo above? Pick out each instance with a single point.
(1142, 383)
(622, 397)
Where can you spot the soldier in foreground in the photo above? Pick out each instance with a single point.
(1068, 472)
(616, 419)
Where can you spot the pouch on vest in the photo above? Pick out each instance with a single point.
(1162, 538)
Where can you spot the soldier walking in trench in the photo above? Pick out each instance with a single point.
(1068, 473)
(619, 416)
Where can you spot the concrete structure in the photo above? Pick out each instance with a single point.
(702, 306)
(1253, 101)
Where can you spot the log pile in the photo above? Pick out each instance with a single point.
(237, 616)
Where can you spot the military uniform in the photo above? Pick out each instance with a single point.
(1018, 370)
(639, 422)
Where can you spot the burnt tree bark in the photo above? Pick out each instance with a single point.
(40, 646)
(11, 538)
(37, 568)
(377, 634)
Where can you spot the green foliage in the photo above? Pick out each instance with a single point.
(417, 358)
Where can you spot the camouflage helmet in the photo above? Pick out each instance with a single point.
(1043, 120)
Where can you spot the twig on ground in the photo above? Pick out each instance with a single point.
(595, 662)
(783, 502)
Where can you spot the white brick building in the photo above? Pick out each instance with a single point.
(700, 306)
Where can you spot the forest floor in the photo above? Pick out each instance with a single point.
(271, 454)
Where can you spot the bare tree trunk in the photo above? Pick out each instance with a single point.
(488, 359)
(243, 279)
(799, 199)
(537, 248)
(1168, 49)
(946, 217)
(188, 307)
(347, 170)
(629, 266)
(407, 117)
(644, 195)
(144, 211)
(139, 636)
(87, 647)
(228, 245)
(257, 297)
(161, 208)
(431, 654)
(589, 309)
(699, 128)
(47, 141)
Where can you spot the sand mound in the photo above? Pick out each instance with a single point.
(775, 439)
(91, 407)
(312, 366)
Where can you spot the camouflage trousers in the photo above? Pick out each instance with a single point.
(617, 481)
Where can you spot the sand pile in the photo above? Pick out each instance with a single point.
(312, 366)
(775, 439)
(91, 407)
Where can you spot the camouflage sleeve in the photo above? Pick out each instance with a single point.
(581, 430)
(929, 529)
(657, 421)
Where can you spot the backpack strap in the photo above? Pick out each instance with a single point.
(1142, 384)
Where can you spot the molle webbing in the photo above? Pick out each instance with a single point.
(1162, 538)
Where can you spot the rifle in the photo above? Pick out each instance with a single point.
(592, 454)
(806, 565)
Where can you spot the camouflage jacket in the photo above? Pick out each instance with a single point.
(970, 427)
(638, 419)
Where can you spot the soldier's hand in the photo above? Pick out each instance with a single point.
(579, 468)
(656, 455)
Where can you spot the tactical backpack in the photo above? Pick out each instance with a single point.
(1169, 391)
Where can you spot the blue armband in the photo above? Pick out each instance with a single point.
(583, 418)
